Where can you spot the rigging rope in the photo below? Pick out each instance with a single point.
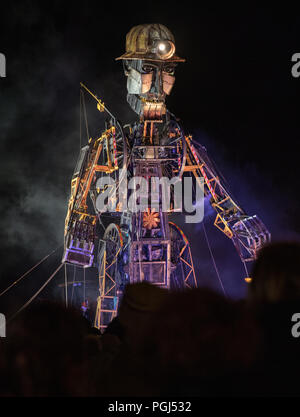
(36, 294)
(80, 112)
(66, 285)
(213, 259)
(83, 284)
(246, 269)
(74, 277)
(31, 269)
(85, 117)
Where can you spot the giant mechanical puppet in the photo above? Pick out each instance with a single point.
(142, 244)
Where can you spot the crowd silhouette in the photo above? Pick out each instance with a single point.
(191, 343)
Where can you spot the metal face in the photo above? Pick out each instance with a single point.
(149, 82)
(162, 78)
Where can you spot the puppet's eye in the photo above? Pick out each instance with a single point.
(147, 69)
(169, 69)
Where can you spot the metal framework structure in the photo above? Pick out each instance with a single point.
(143, 245)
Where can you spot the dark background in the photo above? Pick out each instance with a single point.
(235, 94)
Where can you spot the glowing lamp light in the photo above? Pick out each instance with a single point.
(165, 49)
(162, 47)
(248, 280)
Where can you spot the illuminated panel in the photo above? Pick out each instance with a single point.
(79, 253)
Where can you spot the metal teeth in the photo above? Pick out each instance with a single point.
(154, 102)
(154, 110)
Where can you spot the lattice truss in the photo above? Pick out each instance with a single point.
(248, 233)
(145, 246)
(109, 276)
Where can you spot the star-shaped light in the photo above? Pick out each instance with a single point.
(151, 219)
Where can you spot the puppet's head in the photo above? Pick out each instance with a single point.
(149, 64)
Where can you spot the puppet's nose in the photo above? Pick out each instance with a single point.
(157, 84)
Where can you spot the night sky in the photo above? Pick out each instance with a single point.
(235, 94)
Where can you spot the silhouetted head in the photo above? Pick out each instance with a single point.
(46, 351)
(139, 303)
(276, 273)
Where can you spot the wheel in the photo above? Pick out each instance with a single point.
(183, 273)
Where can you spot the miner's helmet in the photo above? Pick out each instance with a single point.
(152, 42)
